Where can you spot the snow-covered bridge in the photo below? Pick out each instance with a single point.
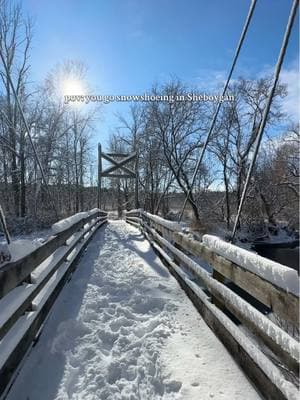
(123, 328)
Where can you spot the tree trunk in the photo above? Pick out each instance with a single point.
(22, 178)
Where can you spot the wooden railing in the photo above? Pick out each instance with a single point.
(228, 296)
(30, 285)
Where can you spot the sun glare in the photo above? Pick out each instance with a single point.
(72, 87)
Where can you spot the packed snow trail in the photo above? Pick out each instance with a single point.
(123, 329)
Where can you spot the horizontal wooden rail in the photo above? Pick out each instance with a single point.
(282, 303)
(272, 347)
(14, 273)
(278, 340)
(133, 213)
(135, 221)
(255, 363)
(24, 308)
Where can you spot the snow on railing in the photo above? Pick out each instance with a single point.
(137, 211)
(272, 284)
(68, 222)
(170, 225)
(281, 275)
(42, 271)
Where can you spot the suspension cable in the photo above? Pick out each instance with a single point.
(267, 109)
(28, 132)
(240, 43)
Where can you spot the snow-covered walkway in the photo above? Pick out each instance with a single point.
(122, 328)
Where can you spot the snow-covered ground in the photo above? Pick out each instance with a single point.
(22, 244)
(123, 329)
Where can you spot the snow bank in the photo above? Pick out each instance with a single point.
(21, 247)
(17, 249)
(282, 276)
(173, 226)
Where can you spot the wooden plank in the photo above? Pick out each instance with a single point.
(152, 220)
(36, 288)
(284, 346)
(118, 164)
(8, 369)
(256, 372)
(117, 154)
(284, 304)
(133, 213)
(127, 157)
(106, 175)
(219, 302)
(136, 224)
(14, 273)
(291, 362)
(134, 219)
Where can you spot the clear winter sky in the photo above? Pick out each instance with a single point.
(130, 44)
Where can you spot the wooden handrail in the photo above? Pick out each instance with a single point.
(283, 303)
(14, 273)
(265, 365)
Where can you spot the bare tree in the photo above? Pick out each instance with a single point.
(237, 130)
(15, 40)
(277, 179)
(179, 126)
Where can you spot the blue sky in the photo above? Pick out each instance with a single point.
(128, 45)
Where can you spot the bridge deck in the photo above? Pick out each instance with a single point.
(122, 328)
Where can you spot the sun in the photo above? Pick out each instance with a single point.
(72, 86)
